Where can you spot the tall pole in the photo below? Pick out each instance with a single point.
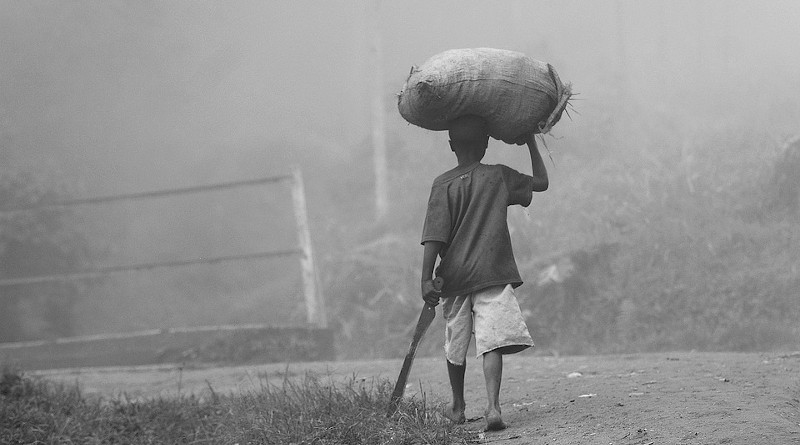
(315, 304)
(378, 117)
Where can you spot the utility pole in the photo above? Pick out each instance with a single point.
(378, 114)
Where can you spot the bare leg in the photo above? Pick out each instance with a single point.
(493, 374)
(455, 411)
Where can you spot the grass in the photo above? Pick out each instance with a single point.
(299, 411)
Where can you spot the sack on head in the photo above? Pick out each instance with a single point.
(517, 95)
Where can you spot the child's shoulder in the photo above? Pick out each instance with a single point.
(495, 170)
(448, 176)
(501, 169)
(456, 172)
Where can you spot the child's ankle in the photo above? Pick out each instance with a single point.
(456, 413)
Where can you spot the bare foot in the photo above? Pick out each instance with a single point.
(493, 421)
(455, 415)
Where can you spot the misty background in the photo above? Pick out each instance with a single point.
(670, 222)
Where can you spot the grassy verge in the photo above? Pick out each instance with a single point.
(301, 411)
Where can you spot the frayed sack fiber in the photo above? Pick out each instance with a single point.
(517, 95)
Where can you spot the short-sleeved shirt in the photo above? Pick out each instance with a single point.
(467, 211)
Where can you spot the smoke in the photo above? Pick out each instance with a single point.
(119, 96)
(108, 91)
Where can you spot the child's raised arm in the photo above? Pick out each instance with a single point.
(539, 172)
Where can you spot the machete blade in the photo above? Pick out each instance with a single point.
(425, 318)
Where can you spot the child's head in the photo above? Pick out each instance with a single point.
(468, 133)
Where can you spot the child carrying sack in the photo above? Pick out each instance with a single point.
(517, 95)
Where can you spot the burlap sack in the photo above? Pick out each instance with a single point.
(517, 95)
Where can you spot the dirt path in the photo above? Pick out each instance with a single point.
(676, 398)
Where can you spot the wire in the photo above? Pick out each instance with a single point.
(99, 272)
(142, 195)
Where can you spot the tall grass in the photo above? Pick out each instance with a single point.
(305, 410)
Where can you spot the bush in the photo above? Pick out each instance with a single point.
(36, 242)
(688, 247)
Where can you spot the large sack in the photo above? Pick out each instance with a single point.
(517, 95)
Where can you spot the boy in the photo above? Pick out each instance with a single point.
(466, 227)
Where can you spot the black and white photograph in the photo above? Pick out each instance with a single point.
(400, 222)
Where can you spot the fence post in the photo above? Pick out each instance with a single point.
(315, 307)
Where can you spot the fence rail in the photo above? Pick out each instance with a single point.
(129, 335)
(147, 195)
(174, 348)
(101, 271)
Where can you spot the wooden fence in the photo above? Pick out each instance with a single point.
(203, 343)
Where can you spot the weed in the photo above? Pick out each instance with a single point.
(298, 411)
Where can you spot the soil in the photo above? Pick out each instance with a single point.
(642, 399)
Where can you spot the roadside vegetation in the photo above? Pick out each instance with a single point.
(660, 231)
(307, 410)
(664, 234)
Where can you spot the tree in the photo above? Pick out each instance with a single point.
(35, 241)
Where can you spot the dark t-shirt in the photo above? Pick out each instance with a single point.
(467, 211)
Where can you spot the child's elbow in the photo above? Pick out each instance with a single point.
(540, 186)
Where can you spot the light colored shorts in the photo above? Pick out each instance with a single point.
(493, 315)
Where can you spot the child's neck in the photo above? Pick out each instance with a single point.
(468, 159)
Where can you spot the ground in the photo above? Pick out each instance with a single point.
(643, 399)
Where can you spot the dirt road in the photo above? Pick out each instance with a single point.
(642, 399)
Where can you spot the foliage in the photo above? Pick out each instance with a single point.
(270, 345)
(35, 242)
(659, 240)
(374, 306)
(696, 262)
(303, 411)
(664, 234)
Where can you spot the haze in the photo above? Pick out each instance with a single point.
(127, 96)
